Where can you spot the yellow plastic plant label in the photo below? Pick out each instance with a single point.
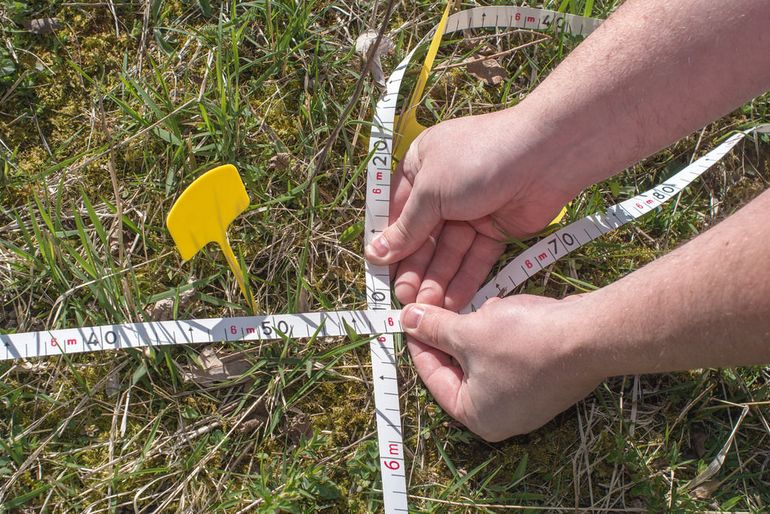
(203, 213)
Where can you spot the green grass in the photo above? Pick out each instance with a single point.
(103, 124)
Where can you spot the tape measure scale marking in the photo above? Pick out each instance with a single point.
(383, 151)
(378, 283)
(70, 341)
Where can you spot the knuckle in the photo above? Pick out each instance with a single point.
(401, 231)
(429, 294)
(448, 331)
(405, 291)
(426, 189)
(413, 159)
(483, 430)
(434, 329)
(410, 166)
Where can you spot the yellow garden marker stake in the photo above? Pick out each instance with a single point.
(204, 211)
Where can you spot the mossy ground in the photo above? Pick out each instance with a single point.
(175, 88)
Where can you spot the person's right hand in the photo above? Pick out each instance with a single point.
(464, 187)
(509, 367)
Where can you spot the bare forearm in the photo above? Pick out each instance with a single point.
(707, 304)
(654, 72)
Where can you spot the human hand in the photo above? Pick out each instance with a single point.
(506, 369)
(464, 187)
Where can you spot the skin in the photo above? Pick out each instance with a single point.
(652, 73)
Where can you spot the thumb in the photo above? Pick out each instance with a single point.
(433, 326)
(408, 233)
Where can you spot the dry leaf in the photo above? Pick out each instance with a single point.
(303, 300)
(699, 443)
(257, 418)
(312, 83)
(37, 366)
(8, 318)
(42, 25)
(114, 245)
(298, 427)
(716, 464)
(386, 46)
(164, 309)
(487, 70)
(250, 425)
(279, 162)
(705, 490)
(214, 370)
(185, 297)
(112, 387)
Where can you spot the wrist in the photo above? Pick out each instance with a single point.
(583, 339)
(550, 159)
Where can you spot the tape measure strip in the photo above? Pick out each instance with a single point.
(70, 341)
(381, 150)
(583, 231)
(386, 404)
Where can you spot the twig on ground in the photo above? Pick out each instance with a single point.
(492, 56)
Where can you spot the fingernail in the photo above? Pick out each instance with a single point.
(379, 247)
(412, 316)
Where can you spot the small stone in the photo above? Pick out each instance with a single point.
(43, 25)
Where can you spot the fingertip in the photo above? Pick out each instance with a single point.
(431, 325)
(411, 317)
(454, 301)
(482, 255)
(377, 251)
(389, 247)
(406, 235)
(410, 273)
(430, 294)
(452, 305)
(405, 292)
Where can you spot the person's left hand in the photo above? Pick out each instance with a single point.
(508, 368)
(465, 188)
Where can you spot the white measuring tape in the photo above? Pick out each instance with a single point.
(380, 320)
(375, 321)
(379, 168)
(68, 341)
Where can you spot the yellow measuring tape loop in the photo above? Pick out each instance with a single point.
(205, 210)
(407, 126)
